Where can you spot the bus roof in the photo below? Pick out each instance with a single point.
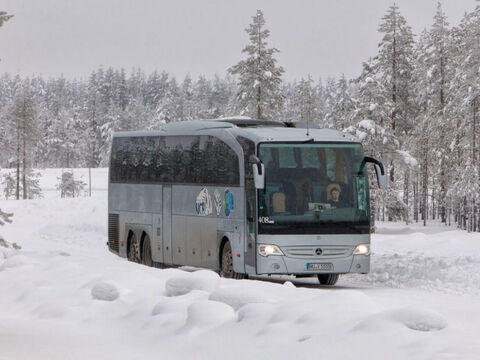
(255, 130)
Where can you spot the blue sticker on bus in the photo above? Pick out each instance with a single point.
(228, 203)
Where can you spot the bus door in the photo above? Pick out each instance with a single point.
(167, 224)
(251, 226)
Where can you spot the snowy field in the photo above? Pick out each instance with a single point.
(65, 296)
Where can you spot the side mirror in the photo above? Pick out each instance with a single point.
(253, 159)
(259, 175)
(382, 178)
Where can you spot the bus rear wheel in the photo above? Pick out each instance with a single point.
(132, 254)
(147, 252)
(328, 279)
(226, 266)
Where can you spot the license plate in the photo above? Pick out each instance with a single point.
(324, 266)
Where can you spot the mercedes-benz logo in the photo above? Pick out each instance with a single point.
(318, 251)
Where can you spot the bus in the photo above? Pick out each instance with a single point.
(242, 197)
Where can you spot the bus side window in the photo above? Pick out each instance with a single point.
(248, 147)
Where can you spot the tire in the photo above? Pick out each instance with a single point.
(328, 279)
(132, 251)
(226, 264)
(147, 252)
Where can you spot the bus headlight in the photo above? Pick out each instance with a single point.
(266, 250)
(362, 249)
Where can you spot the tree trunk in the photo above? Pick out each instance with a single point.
(406, 192)
(372, 212)
(24, 170)
(415, 198)
(433, 198)
(17, 190)
(24, 158)
(443, 181)
(425, 185)
(90, 182)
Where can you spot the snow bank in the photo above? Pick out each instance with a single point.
(12, 260)
(105, 291)
(67, 296)
(208, 314)
(436, 258)
(239, 296)
(199, 280)
(417, 319)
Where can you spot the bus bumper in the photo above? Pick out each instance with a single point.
(279, 264)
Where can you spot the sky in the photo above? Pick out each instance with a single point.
(320, 38)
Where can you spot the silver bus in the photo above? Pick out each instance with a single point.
(242, 197)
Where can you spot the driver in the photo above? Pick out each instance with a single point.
(334, 197)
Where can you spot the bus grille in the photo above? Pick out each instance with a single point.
(113, 232)
(310, 251)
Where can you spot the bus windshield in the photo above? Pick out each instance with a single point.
(313, 188)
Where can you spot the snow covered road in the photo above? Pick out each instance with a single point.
(64, 296)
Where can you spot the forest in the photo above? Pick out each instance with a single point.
(415, 106)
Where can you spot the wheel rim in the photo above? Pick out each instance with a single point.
(227, 261)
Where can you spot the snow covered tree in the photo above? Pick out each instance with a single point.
(22, 125)
(32, 184)
(4, 17)
(304, 101)
(436, 60)
(465, 110)
(8, 182)
(68, 186)
(343, 104)
(5, 217)
(395, 64)
(260, 79)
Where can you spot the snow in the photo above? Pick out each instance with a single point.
(200, 280)
(418, 319)
(408, 159)
(367, 125)
(105, 291)
(64, 295)
(239, 117)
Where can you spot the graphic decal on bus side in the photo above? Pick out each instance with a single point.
(217, 198)
(203, 205)
(228, 203)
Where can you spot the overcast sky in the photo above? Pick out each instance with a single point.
(317, 37)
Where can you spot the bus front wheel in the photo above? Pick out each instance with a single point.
(328, 279)
(226, 266)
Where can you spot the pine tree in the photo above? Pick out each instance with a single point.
(5, 217)
(302, 101)
(68, 186)
(260, 79)
(395, 64)
(4, 17)
(343, 104)
(439, 73)
(22, 124)
(466, 108)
